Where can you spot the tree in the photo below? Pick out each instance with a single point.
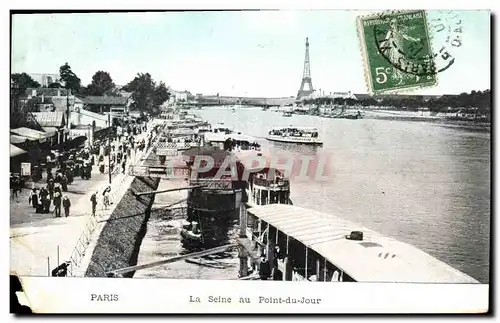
(161, 95)
(55, 85)
(143, 89)
(102, 84)
(20, 82)
(71, 81)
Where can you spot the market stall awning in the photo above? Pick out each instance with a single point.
(31, 133)
(16, 151)
(15, 139)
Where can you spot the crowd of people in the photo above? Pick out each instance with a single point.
(61, 170)
(119, 151)
(62, 167)
(42, 198)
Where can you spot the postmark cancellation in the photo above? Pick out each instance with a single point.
(397, 51)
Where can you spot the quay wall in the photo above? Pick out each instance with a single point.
(121, 237)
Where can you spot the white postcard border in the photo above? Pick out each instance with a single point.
(169, 296)
(71, 294)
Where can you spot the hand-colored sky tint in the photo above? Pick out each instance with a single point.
(247, 53)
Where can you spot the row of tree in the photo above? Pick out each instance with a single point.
(102, 83)
(478, 100)
(147, 96)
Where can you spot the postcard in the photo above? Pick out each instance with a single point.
(251, 161)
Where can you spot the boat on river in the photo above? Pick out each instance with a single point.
(315, 246)
(220, 133)
(352, 116)
(299, 135)
(287, 113)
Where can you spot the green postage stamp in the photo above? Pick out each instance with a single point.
(397, 51)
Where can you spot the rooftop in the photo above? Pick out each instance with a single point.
(222, 137)
(298, 128)
(46, 91)
(377, 258)
(50, 119)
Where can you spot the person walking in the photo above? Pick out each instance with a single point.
(124, 164)
(49, 165)
(66, 205)
(105, 195)
(69, 175)
(93, 200)
(45, 205)
(33, 198)
(15, 184)
(50, 188)
(58, 178)
(64, 183)
(101, 165)
(57, 203)
(43, 194)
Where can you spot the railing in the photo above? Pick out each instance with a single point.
(175, 146)
(276, 183)
(85, 237)
(167, 145)
(78, 252)
(166, 172)
(168, 151)
(222, 184)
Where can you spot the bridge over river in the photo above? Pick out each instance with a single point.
(214, 100)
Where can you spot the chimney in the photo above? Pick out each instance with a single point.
(43, 99)
(58, 92)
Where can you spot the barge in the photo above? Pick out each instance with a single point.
(299, 244)
(298, 135)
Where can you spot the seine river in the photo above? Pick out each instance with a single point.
(422, 183)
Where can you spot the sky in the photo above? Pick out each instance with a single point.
(239, 53)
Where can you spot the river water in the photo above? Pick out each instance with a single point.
(422, 183)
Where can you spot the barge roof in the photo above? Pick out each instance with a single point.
(377, 258)
(295, 127)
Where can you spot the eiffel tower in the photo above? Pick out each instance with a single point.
(306, 78)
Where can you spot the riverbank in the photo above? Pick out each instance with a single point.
(163, 240)
(105, 251)
(413, 116)
(426, 117)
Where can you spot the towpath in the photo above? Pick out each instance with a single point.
(40, 242)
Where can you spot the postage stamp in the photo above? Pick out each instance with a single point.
(397, 51)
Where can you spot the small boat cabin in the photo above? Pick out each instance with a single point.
(295, 132)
